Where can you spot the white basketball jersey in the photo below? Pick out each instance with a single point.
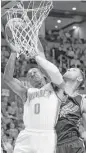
(41, 109)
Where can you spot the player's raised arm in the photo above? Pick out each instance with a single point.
(52, 71)
(12, 82)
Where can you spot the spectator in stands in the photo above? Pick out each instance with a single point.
(7, 145)
(12, 131)
(5, 99)
(20, 114)
(3, 107)
(12, 109)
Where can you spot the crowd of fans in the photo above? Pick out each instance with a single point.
(66, 50)
(11, 122)
(63, 50)
(22, 65)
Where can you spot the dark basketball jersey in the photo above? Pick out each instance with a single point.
(69, 119)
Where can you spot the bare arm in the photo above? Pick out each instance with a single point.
(52, 71)
(83, 134)
(14, 83)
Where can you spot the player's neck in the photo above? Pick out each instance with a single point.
(38, 86)
(71, 89)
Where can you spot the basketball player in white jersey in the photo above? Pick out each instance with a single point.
(41, 108)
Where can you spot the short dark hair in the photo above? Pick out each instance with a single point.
(83, 79)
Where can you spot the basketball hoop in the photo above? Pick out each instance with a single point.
(24, 25)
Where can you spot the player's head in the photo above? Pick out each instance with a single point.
(36, 78)
(75, 75)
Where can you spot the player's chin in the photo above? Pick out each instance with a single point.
(66, 77)
(38, 84)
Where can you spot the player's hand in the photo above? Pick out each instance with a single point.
(13, 47)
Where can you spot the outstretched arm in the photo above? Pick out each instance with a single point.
(83, 133)
(52, 71)
(14, 83)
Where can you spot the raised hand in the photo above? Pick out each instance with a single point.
(13, 47)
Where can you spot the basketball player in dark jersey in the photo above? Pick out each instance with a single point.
(73, 108)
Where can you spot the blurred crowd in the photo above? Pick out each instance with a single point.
(60, 48)
(66, 50)
(11, 122)
(22, 65)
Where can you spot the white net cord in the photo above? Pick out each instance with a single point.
(25, 29)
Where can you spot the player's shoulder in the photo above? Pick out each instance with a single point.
(83, 97)
(30, 90)
(52, 86)
(47, 86)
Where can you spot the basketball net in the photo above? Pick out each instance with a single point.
(24, 25)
